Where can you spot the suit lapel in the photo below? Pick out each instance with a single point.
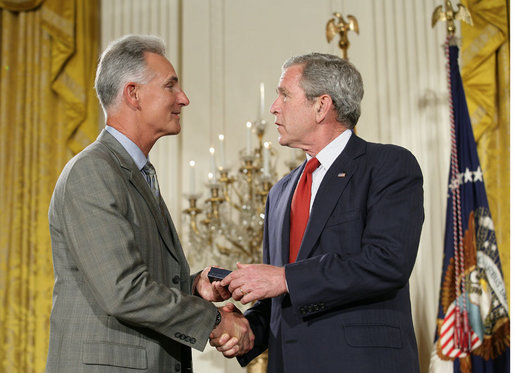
(138, 181)
(329, 192)
(284, 215)
(174, 236)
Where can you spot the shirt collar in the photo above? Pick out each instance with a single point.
(329, 153)
(135, 153)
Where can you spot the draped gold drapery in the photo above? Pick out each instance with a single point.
(486, 79)
(48, 112)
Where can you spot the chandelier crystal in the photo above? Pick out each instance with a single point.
(228, 227)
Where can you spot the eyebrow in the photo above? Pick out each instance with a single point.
(172, 79)
(281, 90)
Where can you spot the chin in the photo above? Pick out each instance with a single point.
(175, 129)
(282, 141)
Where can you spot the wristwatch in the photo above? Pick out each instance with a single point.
(218, 318)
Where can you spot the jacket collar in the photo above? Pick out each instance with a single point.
(159, 210)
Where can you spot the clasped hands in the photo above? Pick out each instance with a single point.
(250, 282)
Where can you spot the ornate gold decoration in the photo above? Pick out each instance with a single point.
(230, 228)
(449, 15)
(337, 25)
(259, 364)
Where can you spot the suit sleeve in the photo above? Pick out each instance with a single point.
(259, 318)
(98, 226)
(392, 218)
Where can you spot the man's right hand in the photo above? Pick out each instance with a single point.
(233, 335)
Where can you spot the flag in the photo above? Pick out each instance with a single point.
(473, 322)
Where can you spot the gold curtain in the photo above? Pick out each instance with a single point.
(48, 112)
(486, 79)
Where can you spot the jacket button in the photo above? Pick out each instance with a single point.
(177, 335)
(193, 340)
(177, 367)
(176, 279)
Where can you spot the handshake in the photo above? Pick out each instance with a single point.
(233, 335)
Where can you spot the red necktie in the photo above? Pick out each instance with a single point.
(300, 206)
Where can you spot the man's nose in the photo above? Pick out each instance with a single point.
(183, 99)
(274, 107)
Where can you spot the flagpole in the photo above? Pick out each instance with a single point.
(462, 332)
(473, 332)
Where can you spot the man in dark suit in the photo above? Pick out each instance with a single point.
(124, 299)
(333, 292)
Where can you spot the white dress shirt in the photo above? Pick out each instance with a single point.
(326, 157)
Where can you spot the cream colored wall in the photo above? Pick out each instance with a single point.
(223, 49)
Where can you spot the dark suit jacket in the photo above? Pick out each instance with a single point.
(122, 284)
(348, 306)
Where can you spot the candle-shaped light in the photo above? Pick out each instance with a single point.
(213, 165)
(248, 138)
(192, 177)
(265, 160)
(261, 101)
(210, 177)
(222, 151)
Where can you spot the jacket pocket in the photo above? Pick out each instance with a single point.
(118, 355)
(371, 335)
(343, 218)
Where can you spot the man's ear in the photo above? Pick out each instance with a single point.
(131, 95)
(323, 105)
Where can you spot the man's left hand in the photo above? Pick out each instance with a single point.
(255, 281)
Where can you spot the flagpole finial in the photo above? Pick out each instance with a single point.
(450, 16)
(337, 25)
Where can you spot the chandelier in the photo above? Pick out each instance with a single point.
(229, 225)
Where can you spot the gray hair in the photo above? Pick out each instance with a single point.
(331, 75)
(123, 61)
